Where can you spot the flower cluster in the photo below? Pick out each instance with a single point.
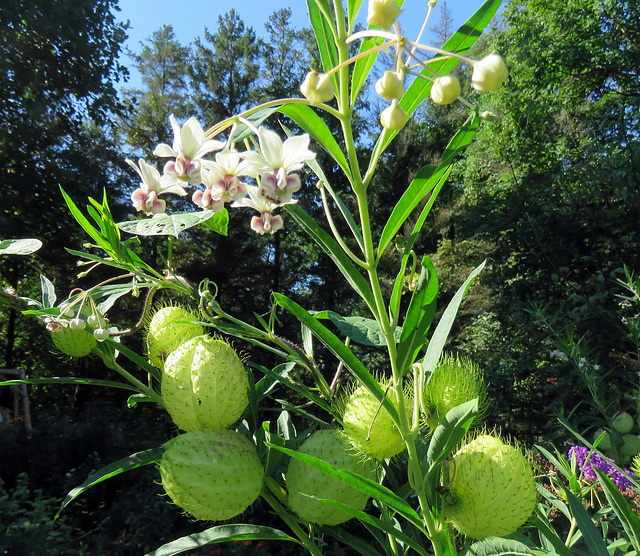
(272, 166)
(588, 462)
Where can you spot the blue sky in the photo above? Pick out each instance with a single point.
(190, 17)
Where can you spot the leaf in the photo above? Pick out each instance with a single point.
(315, 126)
(222, 533)
(360, 329)
(116, 468)
(355, 542)
(363, 484)
(242, 131)
(449, 432)
(48, 292)
(439, 338)
(622, 509)
(71, 380)
(320, 18)
(19, 246)
(419, 317)
(544, 528)
(165, 224)
(497, 546)
(133, 356)
(427, 179)
(219, 222)
(342, 352)
(353, 8)
(331, 247)
(590, 533)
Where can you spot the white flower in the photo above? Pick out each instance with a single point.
(274, 154)
(222, 176)
(189, 146)
(145, 198)
(267, 222)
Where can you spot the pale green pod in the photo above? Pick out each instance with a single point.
(211, 475)
(493, 489)
(169, 327)
(303, 481)
(74, 343)
(204, 385)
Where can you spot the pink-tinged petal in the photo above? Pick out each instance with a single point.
(157, 207)
(139, 198)
(164, 151)
(257, 225)
(276, 223)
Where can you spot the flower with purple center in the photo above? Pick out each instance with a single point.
(595, 461)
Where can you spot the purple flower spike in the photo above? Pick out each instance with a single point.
(621, 480)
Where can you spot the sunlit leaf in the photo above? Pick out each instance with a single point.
(19, 246)
(166, 224)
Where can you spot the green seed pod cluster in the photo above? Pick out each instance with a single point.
(454, 381)
(204, 385)
(212, 475)
(368, 427)
(303, 481)
(621, 442)
(169, 327)
(73, 342)
(493, 488)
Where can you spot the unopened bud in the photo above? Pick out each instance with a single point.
(383, 13)
(393, 118)
(489, 116)
(390, 85)
(445, 89)
(94, 321)
(489, 73)
(101, 334)
(317, 87)
(77, 324)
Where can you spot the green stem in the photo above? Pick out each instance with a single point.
(141, 386)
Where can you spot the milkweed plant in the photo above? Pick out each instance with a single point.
(394, 448)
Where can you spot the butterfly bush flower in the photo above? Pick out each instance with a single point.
(581, 453)
(273, 163)
(146, 197)
(267, 222)
(189, 146)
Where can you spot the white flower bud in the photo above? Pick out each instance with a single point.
(489, 116)
(383, 13)
(101, 334)
(77, 324)
(94, 321)
(393, 117)
(489, 73)
(317, 87)
(390, 85)
(445, 89)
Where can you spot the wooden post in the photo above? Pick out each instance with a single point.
(20, 394)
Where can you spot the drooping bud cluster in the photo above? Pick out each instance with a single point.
(493, 491)
(304, 481)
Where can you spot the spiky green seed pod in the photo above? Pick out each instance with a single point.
(303, 481)
(169, 327)
(369, 427)
(454, 381)
(622, 422)
(630, 445)
(605, 443)
(75, 343)
(212, 475)
(493, 488)
(204, 385)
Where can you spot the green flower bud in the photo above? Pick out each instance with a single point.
(211, 475)
(204, 385)
(630, 445)
(456, 380)
(368, 427)
(493, 489)
(169, 327)
(383, 13)
(73, 342)
(393, 117)
(317, 88)
(489, 73)
(390, 85)
(445, 89)
(303, 481)
(622, 422)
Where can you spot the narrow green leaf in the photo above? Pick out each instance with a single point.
(497, 546)
(363, 484)
(419, 317)
(352, 11)
(222, 533)
(439, 338)
(166, 224)
(342, 352)
(331, 247)
(242, 131)
(541, 523)
(135, 358)
(48, 292)
(357, 543)
(622, 509)
(360, 329)
(85, 224)
(315, 126)
(19, 246)
(554, 501)
(71, 380)
(449, 432)
(116, 468)
(426, 180)
(324, 31)
(590, 533)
